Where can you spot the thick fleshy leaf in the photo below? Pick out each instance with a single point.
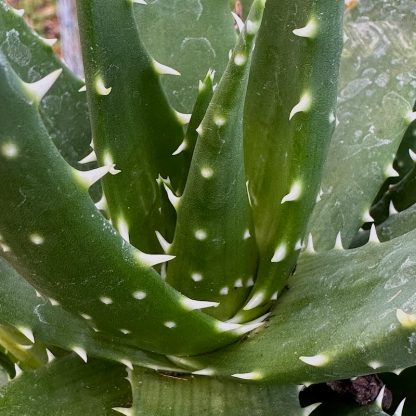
(156, 394)
(71, 253)
(345, 313)
(215, 251)
(289, 119)
(22, 307)
(133, 125)
(64, 110)
(67, 387)
(376, 93)
(189, 35)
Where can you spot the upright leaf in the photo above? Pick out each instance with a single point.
(289, 119)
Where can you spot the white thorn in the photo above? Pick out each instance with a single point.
(127, 363)
(338, 242)
(392, 209)
(255, 301)
(399, 409)
(373, 235)
(49, 42)
(318, 360)
(367, 217)
(108, 161)
(224, 291)
(298, 245)
(309, 245)
(40, 88)
(407, 320)
(247, 234)
(18, 370)
(304, 105)
(174, 200)
(18, 12)
(91, 157)
(318, 198)
(199, 129)
(162, 241)
(398, 371)
(253, 375)
(294, 193)
(238, 21)
(248, 327)
(379, 399)
(252, 27)
(123, 229)
(410, 117)
(89, 177)
(308, 31)
(192, 304)
(54, 302)
(102, 203)
(124, 410)
(375, 364)
(390, 172)
(238, 283)
(83, 89)
(183, 118)
(100, 87)
(139, 2)
(153, 259)
(306, 411)
(164, 69)
(81, 353)
(201, 86)
(183, 146)
(204, 372)
(51, 357)
(275, 295)
(412, 154)
(250, 282)
(256, 321)
(27, 332)
(226, 326)
(280, 253)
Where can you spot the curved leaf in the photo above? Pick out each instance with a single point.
(344, 313)
(375, 96)
(67, 387)
(156, 394)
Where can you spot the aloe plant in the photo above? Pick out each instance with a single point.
(177, 229)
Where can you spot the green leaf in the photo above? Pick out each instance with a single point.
(64, 110)
(133, 125)
(22, 307)
(67, 387)
(289, 120)
(156, 394)
(344, 313)
(375, 96)
(214, 248)
(394, 226)
(47, 201)
(190, 36)
(398, 197)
